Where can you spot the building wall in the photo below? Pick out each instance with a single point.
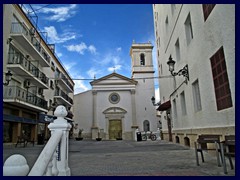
(83, 111)
(208, 36)
(20, 113)
(144, 107)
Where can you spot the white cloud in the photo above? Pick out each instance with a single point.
(80, 86)
(80, 48)
(55, 38)
(69, 65)
(119, 49)
(117, 67)
(94, 72)
(59, 54)
(92, 49)
(60, 14)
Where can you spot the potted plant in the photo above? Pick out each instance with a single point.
(99, 138)
(79, 137)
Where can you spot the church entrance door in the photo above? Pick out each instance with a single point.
(115, 129)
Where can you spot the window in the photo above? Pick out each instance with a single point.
(114, 98)
(142, 59)
(177, 48)
(146, 125)
(52, 66)
(57, 73)
(196, 96)
(166, 23)
(174, 109)
(220, 80)
(51, 84)
(207, 9)
(188, 29)
(183, 103)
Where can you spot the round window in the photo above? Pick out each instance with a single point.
(114, 98)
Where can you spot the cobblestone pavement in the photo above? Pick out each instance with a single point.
(129, 158)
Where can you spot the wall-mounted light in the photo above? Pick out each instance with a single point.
(154, 103)
(183, 71)
(9, 40)
(8, 78)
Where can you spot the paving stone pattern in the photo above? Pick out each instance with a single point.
(129, 158)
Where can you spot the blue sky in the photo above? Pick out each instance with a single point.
(91, 39)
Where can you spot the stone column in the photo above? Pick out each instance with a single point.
(94, 123)
(94, 109)
(134, 120)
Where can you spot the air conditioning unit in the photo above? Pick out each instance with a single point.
(26, 83)
(40, 91)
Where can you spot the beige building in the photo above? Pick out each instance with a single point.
(201, 36)
(39, 81)
(117, 105)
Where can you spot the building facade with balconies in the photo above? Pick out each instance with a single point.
(36, 87)
(201, 36)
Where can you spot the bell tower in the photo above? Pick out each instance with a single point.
(142, 64)
(143, 73)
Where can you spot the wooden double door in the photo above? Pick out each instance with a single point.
(115, 129)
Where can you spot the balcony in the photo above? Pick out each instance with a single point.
(63, 81)
(21, 97)
(23, 36)
(23, 67)
(63, 98)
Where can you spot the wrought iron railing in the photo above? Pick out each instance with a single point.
(63, 95)
(18, 58)
(21, 28)
(17, 93)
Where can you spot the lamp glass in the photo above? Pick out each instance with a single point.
(8, 76)
(171, 64)
(153, 100)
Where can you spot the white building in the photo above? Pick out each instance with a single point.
(116, 106)
(201, 36)
(38, 81)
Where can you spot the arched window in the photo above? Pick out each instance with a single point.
(146, 125)
(142, 59)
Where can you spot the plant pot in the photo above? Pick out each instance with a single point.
(79, 138)
(98, 139)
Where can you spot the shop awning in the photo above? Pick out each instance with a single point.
(164, 106)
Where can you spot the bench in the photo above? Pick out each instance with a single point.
(24, 141)
(228, 150)
(202, 145)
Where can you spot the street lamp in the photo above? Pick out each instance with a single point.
(8, 77)
(153, 101)
(183, 71)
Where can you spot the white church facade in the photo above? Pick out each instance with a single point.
(117, 105)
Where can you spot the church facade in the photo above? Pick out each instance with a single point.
(117, 105)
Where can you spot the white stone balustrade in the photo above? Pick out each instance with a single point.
(53, 160)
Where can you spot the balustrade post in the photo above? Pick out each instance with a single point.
(60, 124)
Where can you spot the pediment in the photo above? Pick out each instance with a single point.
(113, 78)
(115, 110)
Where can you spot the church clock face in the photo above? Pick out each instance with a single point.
(114, 98)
